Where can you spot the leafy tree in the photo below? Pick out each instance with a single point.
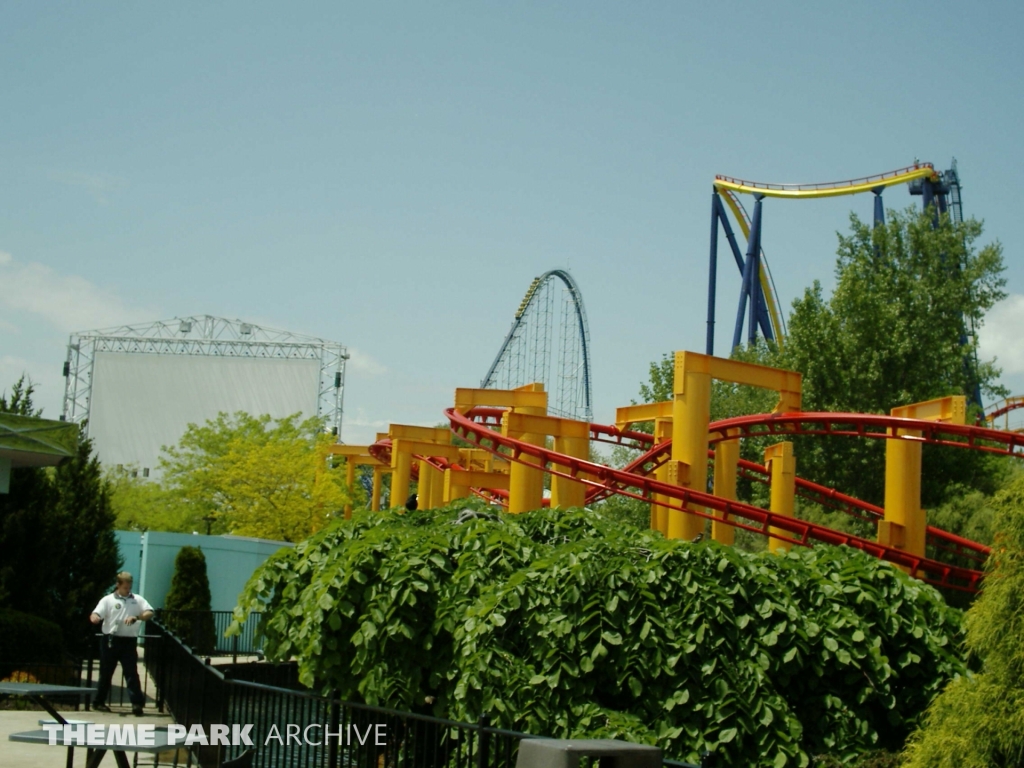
(573, 624)
(58, 553)
(977, 722)
(891, 334)
(256, 475)
(141, 504)
(187, 610)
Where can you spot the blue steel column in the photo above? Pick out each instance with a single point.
(928, 199)
(754, 258)
(737, 332)
(879, 207)
(713, 271)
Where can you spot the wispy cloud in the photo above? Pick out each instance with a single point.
(67, 302)
(99, 187)
(1001, 335)
(361, 362)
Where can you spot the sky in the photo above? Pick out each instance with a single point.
(393, 175)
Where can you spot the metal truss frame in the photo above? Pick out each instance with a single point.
(203, 336)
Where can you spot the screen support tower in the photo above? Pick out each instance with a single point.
(204, 335)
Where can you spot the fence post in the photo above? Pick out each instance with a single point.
(482, 757)
(335, 719)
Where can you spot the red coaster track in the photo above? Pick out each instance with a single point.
(478, 427)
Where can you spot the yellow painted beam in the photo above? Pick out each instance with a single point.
(378, 477)
(782, 468)
(691, 414)
(401, 476)
(551, 426)
(350, 481)
(789, 384)
(906, 523)
(474, 479)
(727, 456)
(946, 410)
(421, 448)
(440, 435)
(526, 483)
(499, 398)
(423, 483)
(635, 414)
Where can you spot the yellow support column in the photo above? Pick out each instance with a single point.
(350, 481)
(423, 486)
(782, 466)
(526, 484)
(727, 456)
(378, 475)
(905, 523)
(691, 414)
(401, 477)
(453, 489)
(436, 487)
(659, 513)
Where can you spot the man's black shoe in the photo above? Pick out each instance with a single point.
(137, 711)
(100, 708)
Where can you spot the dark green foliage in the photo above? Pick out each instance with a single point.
(574, 624)
(890, 335)
(27, 638)
(187, 607)
(978, 720)
(58, 553)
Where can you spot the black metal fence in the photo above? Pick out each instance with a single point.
(81, 672)
(296, 729)
(203, 632)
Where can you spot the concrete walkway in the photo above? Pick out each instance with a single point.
(15, 754)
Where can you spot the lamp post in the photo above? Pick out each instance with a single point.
(209, 521)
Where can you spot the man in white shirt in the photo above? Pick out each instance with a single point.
(119, 613)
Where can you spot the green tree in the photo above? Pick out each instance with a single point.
(187, 611)
(892, 334)
(58, 553)
(141, 504)
(977, 721)
(256, 475)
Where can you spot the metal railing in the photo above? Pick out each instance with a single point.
(288, 723)
(203, 632)
(84, 673)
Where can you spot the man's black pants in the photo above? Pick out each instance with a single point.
(123, 650)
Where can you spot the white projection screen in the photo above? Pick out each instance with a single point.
(141, 402)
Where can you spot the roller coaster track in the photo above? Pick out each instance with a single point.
(922, 178)
(734, 513)
(832, 188)
(650, 460)
(570, 369)
(1002, 408)
(479, 426)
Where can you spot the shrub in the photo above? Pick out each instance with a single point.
(187, 607)
(27, 638)
(573, 624)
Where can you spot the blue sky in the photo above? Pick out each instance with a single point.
(393, 175)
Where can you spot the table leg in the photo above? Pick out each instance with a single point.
(49, 710)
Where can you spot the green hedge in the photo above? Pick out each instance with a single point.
(28, 638)
(572, 624)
